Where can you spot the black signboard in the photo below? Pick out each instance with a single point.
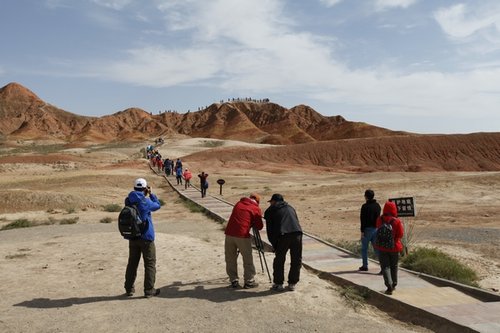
(405, 206)
(221, 182)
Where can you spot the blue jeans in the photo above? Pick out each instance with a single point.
(368, 236)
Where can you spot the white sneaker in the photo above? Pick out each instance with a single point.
(291, 286)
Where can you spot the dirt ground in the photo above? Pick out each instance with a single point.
(62, 277)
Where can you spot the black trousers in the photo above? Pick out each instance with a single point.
(389, 265)
(148, 251)
(292, 242)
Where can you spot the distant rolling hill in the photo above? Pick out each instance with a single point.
(467, 152)
(24, 115)
(305, 137)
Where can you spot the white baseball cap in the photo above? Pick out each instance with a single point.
(140, 183)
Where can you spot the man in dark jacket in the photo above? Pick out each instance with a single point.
(284, 233)
(370, 212)
(245, 215)
(144, 245)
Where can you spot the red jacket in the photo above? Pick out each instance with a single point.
(390, 212)
(187, 175)
(245, 214)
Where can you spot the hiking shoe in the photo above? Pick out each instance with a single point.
(250, 284)
(155, 293)
(130, 292)
(234, 284)
(277, 287)
(388, 291)
(363, 269)
(291, 286)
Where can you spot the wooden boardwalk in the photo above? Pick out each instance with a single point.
(440, 305)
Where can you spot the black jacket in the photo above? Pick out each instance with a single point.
(281, 219)
(370, 211)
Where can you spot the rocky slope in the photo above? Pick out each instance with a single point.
(24, 115)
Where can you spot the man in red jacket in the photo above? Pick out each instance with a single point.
(389, 256)
(246, 213)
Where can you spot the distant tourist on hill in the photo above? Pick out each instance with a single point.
(390, 248)
(178, 175)
(178, 164)
(370, 212)
(187, 178)
(168, 167)
(146, 202)
(284, 233)
(246, 213)
(203, 183)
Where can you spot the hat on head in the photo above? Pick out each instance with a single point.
(276, 197)
(140, 183)
(255, 196)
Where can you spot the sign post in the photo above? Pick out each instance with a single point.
(406, 208)
(221, 182)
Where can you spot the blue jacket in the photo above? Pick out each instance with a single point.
(145, 206)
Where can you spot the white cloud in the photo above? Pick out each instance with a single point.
(113, 4)
(330, 3)
(462, 21)
(381, 5)
(160, 67)
(241, 46)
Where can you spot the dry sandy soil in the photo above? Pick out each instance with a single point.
(69, 277)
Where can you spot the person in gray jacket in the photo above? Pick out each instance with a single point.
(284, 233)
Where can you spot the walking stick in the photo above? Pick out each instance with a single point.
(260, 248)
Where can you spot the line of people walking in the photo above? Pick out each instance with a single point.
(284, 234)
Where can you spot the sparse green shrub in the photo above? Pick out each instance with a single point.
(106, 220)
(72, 220)
(437, 263)
(162, 202)
(212, 143)
(70, 210)
(21, 223)
(112, 208)
(16, 256)
(354, 297)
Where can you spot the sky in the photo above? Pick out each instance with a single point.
(425, 66)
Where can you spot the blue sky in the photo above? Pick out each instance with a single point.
(427, 66)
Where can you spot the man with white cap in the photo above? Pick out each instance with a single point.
(146, 202)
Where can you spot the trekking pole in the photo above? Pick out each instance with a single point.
(260, 248)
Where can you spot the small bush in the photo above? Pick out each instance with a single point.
(212, 144)
(354, 297)
(69, 221)
(437, 263)
(16, 256)
(21, 223)
(70, 210)
(106, 220)
(162, 202)
(112, 208)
